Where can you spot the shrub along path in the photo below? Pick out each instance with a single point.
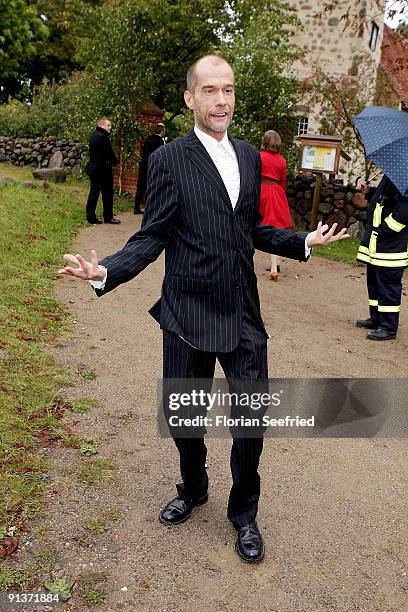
(331, 512)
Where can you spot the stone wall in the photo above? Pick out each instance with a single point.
(36, 152)
(338, 203)
(338, 46)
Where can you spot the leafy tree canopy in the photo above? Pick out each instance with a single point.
(20, 28)
(261, 51)
(142, 50)
(68, 22)
(133, 51)
(60, 25)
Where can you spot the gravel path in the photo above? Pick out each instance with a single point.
(333, 512)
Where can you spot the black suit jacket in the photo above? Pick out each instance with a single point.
(209, 268)
(101, 154)
(152, 142)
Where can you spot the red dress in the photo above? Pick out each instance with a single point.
(274, 207)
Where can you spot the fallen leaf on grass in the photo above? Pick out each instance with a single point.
(7, 546)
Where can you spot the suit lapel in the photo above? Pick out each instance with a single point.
(200, 158)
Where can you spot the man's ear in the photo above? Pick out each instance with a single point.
(188, 99)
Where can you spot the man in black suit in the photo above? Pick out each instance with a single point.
(202, 207)
(152, 142)
(100, 172)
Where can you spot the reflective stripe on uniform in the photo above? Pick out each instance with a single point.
(373, 302)
(402, 255)
(393, 224)
(377, 215)
(401, 263)
(372, 247)
(385, 260)
(389, 308)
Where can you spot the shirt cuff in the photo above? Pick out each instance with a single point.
(307, 250)
(100, 284)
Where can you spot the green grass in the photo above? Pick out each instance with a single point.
(101, 519)
(88, 375)
(89, 588)
(96, 526)
(94, 597)
(344, 250)
(22, 578)
(94, 472)
(36, 228)
(9, 578)
(46, 559)
(83, 405)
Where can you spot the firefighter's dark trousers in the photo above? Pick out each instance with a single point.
(384, 295)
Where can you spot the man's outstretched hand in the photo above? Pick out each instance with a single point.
(89, 271)
(323, 236)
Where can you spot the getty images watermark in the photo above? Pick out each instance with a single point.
(331, 407)
(252, 403)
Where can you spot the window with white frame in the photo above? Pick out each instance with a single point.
(303, 125)
(375, 30)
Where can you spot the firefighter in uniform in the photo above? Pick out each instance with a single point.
(384, 250)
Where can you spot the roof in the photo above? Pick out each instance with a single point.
(394, 62)
(151, 108)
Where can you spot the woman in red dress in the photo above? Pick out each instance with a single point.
(274, 207)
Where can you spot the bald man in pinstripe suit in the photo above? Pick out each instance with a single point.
(202, 208)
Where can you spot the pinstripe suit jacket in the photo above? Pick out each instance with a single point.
(209, 247)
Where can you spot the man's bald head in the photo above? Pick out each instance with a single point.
(203, 62)
(210, 94)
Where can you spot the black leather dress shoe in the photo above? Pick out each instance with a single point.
(381, 334)
(250, 546)
(113, 220)
(94, 221)
(366, 323)
(179, 509)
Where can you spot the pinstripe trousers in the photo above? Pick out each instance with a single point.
(247, 361)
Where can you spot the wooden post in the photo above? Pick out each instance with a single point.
(316, 199)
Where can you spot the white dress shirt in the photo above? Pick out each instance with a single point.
(224, 157)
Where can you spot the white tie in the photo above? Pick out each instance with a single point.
(227, 166)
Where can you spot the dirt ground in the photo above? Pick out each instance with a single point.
(333, 512)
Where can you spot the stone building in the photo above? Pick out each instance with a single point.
(340, 39)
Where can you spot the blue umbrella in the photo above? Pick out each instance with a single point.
(384, 132)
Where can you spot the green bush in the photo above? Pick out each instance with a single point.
(65, 110)
(14, 118)
(44, 117)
